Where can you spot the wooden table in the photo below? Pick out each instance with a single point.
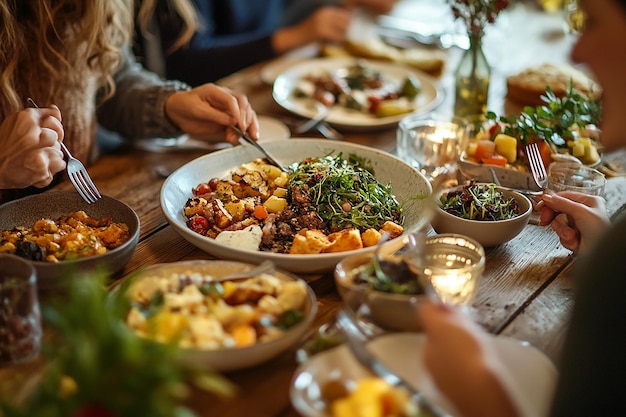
(526, 290)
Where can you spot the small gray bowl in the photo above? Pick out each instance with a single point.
(54, 204)
(487, 233)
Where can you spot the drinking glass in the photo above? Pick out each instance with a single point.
(454, 265)
(572, 176)
(574, 17)
(20, 322)
(431, 143)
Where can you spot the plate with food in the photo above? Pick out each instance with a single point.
(357, 93)
(223, 315)
(63, 236)
(564, 128)
(327, 383)
(336, 198)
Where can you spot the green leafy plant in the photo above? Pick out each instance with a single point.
(97, 366)
(557, 121)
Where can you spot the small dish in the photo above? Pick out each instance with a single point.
(397, 312)
(54, 204)
(487, 233)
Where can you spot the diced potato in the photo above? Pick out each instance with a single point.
(578, 149)
(236, 209)
(308, 242)
(370, 237)
(271, 171)
(345, 240)
(592, 156)
(280, 192)
(393, 228)
(506, 146)
(471, 149)
(275, 204)
(282, 179)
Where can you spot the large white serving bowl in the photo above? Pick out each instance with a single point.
(236, 358)
(409, 186)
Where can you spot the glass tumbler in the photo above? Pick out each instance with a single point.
(431, 143)
(454, 265)
(20, 320)
(572, 176)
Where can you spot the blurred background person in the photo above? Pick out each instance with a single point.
(75, 54)
(184, 39)
(592, 364)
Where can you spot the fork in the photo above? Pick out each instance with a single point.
(257, 145)
(537, 168)
(347, 322)
(77, 172)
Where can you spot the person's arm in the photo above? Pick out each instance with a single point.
(463, 364)
(145, 106)
(137, 109)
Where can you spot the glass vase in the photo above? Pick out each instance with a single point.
(472, 78)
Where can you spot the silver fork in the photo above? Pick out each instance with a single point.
(537, 168)
(77, 172)
(347, 322)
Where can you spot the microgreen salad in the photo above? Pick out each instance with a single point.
(481, 202)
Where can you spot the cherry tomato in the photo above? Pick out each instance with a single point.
(201, 189)
(198, 224)
(374, 103)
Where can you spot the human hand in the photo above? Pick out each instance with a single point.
(209, 111)
(578, 219)
(462, 363)
(326, 24)
(30, 151)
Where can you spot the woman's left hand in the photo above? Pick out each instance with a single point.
(208, 111)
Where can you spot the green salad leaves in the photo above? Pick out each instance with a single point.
(345, 193)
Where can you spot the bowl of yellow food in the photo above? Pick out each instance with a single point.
(218, 322)
(64, 237)
(489, 214)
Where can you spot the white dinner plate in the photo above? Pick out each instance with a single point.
(285, 84)
(529, 375)
(271, 129)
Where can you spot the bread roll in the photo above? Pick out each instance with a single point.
(527, 87)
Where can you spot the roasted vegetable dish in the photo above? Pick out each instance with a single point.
(74, 236)
(479, 202)
(327, 204)
(195, 312)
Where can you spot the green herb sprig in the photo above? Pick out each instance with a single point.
(96, 365)
(556, 121)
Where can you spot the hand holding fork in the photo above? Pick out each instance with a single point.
(77, 172)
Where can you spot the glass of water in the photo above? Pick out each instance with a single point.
(432, 142)
(20, 322)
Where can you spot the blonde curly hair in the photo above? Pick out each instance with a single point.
(66, 39)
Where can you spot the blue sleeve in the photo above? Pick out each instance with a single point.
(233, 35)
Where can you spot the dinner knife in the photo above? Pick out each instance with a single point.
(256, 144)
